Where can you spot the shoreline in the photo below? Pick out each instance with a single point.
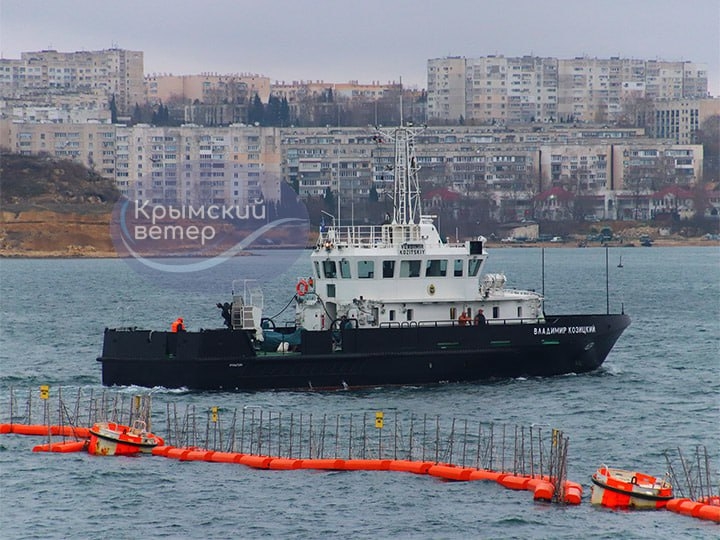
(91, 253)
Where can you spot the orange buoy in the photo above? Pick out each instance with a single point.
(573, 493)
(327, 464)
(673, 504)
(514, 482)
(483, 474)
(63, 447)
(543, 490)
(224, 457)
(696, 509)
(687, 507)
(285, 464)
(177, 453)
(44, 430)
(196, 455)
(161, 450)
(415, 467)
(450, 472)
(24, 429)
(709, 512)
(256, 462)
(367, 464)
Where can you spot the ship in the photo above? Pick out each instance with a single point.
(392, 304)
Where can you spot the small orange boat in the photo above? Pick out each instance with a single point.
(113, 439)
(618, 488)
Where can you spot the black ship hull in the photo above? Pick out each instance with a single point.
(411, 355)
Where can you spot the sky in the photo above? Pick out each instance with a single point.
(362, 40)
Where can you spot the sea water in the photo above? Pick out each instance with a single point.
(659, 390)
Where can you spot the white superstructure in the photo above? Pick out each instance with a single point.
(402, 272)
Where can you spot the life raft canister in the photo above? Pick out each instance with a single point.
(302, 287)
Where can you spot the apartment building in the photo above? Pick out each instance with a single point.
(206, 87)
(39, 76)
(238, 164)
(680, 119)
(91, 144)
(339, 159)
(195, 165)
(446, 89)
(522, 89)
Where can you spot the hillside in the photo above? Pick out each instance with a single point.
(53, 207)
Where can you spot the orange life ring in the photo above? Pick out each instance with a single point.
(302, 287)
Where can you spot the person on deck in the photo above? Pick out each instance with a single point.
(178, 325)
(464, 318)
(226, 313)
(480, 318)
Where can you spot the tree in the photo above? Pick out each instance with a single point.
(256, 112)
(709, 136)
(113, 110)
(284, 112)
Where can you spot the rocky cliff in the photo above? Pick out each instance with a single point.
(53, 207)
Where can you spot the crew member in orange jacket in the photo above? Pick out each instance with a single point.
(178, 325)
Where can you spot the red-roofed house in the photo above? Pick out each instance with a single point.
(441, 197)
(673, 200)
(554, 204)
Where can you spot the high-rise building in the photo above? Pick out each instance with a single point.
(498, 89)
(41, 75)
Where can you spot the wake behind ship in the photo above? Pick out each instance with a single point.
(391, 304)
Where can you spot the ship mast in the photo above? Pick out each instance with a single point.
(406, 189)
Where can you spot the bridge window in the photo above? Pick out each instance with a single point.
(410, 268)
(436, 267)
(473, 267)
(519, 312)
(496, 312)
(329, 269)
(317, 270)
(345, 269)
(366, 269)
(458, 270)
(388, 269)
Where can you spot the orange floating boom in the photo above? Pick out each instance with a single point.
(43, 430)
(72, 446)
(696, 509)
(541, 487)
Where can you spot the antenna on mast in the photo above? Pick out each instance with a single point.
(401, 103)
